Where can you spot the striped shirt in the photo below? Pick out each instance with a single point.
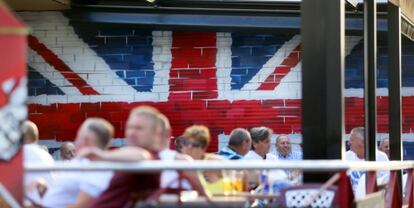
(229, 154)
(293, 155)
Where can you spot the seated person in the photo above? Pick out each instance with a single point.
(260, 151)
(67, 151)
(239, 145)
(79, 189)
(33, 153)
(356, 153)
(147, 132)
(196, 140)
(260, 144)
(144, 131)
(178, 143)
(385, 146)
(284, 149)
(170, 179)
(284, 152)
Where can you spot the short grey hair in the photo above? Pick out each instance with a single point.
(280, 136)
(259, 134)
(102, 129)
(360, 131)
(383, 140)
(238, 136)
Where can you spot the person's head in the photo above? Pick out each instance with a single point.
(261, 140)
(196, 140)
(30, 132)
(166, 131)
(146, 128)
(94, 132)
(385, 146)
(283, 145)
(67, 151)
(178, 143)
(240, 141)
(356, 141)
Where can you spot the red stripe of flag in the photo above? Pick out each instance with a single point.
(193, 66)
(57, 63)
(273, 80)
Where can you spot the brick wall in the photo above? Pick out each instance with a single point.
(222, 80)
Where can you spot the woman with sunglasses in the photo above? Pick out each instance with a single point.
(194, 144)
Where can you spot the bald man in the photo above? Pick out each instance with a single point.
(385, 146)
(67, 151)
(284, 149)
(33, 153)
(30, 132)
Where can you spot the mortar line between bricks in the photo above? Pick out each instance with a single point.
(51, 58)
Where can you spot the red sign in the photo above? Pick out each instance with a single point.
(13, 93)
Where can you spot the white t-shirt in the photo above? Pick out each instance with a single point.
(168, 176)
(274, 174)
(33, 153)
(66, 187)
(252, 155)
(355, 176)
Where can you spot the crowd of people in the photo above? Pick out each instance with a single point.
(148, 135)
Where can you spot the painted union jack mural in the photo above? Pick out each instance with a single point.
(222, 80)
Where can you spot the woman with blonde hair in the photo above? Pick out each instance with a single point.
(195, 143)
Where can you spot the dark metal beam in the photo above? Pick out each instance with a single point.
(370, 79)
(160, 20)
(215, 21)
(394, 84)
(323, 31)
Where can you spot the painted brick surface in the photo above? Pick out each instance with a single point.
(222, 80)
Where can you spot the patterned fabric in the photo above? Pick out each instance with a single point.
(294, 155)
(229, 154)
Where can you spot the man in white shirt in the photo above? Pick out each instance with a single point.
(356, 153)
(261, 144)
(385, 146)
(33, 153)
(284, 149)
(78, 189)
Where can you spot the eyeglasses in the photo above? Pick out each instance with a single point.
(190, 143)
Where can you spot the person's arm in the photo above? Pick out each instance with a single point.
(39, 185)
(192, 176)
(124, 154)
(84, 200)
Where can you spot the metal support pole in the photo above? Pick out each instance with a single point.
(323, 35)
(394, 84)
(370, 78)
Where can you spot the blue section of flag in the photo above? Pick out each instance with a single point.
(250, 52)
(39, 85)
(354, 70)
(127, 51)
